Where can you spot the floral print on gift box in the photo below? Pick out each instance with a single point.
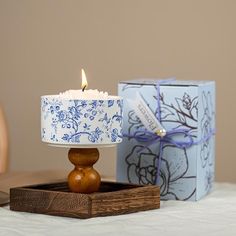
(172, 173)
(206, 126)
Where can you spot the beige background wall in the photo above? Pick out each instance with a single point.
(44, 44)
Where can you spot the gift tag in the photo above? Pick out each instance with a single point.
(146, 115)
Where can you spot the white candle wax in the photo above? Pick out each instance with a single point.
(90, 94)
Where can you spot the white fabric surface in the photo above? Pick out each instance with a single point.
(213, 215)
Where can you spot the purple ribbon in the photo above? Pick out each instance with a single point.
(151, 138)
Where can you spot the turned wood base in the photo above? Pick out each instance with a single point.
(84, 178)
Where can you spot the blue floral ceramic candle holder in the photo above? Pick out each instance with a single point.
(83, 125)
(81, 122)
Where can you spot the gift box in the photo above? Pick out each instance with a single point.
(182, 161)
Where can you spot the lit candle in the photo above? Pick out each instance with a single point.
(81, 117)
(84, 93)
(84, 80)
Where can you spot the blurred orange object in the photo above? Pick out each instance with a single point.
(3, 143)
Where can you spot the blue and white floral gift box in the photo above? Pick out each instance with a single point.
(185, 160)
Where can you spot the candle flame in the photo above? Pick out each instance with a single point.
(84, 80)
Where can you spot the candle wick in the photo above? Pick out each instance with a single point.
(83, 88)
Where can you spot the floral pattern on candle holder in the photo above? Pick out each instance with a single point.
(81, 122)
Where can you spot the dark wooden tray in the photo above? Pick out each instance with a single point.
(112, 199)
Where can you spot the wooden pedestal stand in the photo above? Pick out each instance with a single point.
(84, 178)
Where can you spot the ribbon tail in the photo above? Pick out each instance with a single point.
(159, 163)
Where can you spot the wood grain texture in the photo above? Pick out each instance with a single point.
(112, 199)
(84, 178)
